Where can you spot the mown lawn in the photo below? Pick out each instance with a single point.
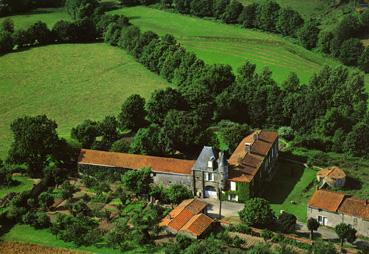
(69, 83)
(48, 15)
(289, 190)
(23, 184)
(215, 42)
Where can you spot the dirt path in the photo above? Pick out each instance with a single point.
(25, 248)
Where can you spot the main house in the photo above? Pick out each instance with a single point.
(332, 208)
(211, 175)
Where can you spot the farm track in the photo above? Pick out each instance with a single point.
(28, 248)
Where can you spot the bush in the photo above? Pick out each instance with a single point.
(287, 222)
(308, 34)
(267, 234)
(351, 51)
(6, 42)
(37, 220)
(257, 212)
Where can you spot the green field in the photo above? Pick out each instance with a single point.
(48, 15)
(69, 83)
(287, 190)
(229, 44)
(23, 184)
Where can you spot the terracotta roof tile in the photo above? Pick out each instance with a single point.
(355, 207)
(135, 161)
(198, 224)
(326, 200)
(332, 172)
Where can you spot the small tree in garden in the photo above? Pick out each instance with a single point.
(345, 232)
(137, 181)
(68, 190)
(287, 222)
(176, 193)
(312, 225)
(45, 200)
(257, 212)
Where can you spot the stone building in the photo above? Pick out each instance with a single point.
(332, 208)
(211, 176)
(332, 176)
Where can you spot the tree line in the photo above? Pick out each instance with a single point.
(10, 7)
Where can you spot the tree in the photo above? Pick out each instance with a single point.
(202, 8)
(231, 133)
(357, 138)
(267, 15)
(67, 190)
(364, 60)
(137, 181)
(257, 212)
(348, 27)
(219, 7)
(345, 232)
(143, 41)
(161, 102)
(121, 146)
(322, 247)
(85, 30)
(176, 193)
(108, 129)
(247, 17)
(79, 9)
(40, 34)
(7, 25)
(312, 225)
(183, 6)
(232, 12)
(21, 38)
(37, 220)
(289, 22)
(65, 31)
(86, 133)
(351, 51)
(45, 200)
(35, 141)
(287, 222)
(5, 175)
(325, 42)
(119, 236)
(308, 34)
(6, 42)
(129, 37)
(172, 62)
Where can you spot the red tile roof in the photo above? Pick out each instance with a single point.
(135, 161)
(326, 200)
(198, 224)
(245, 165)
(355, 207)
(186, 217)
(332, 172)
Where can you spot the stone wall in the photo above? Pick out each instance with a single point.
(168, 179)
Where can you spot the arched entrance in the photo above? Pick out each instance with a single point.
(210, 192)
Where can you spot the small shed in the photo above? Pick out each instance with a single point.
(332, 176)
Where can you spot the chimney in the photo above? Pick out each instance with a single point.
(248, 147)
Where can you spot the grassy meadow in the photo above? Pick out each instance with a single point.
(215, 42)
(69, 83)
(22, 184)
(48, 15)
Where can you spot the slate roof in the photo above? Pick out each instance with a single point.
(326, 200)
(187, 216)
(201, 163)
(245, 165)
(135, 161)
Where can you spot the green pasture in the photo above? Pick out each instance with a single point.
(290, 189)
(22, 184)
(69, 83)
(215, 42)
(48, 15)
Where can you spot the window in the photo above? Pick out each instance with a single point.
(209, 176)
(233, 186)
(355, 221)
(320, 219)
(233, 197)
(210, 164)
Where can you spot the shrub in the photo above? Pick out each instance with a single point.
(267, 234)
(37, 220)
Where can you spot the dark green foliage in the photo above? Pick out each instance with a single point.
(176, 193)
(35, 141)
(67, 190)
(121, 146)
(150, 140)
(137, 181)
(267, 16)
(288, 22)
(83, 231)
(5, 175)
(261, 249)
(308, 34)
(357, 138)
(128, 38)
(287, 222)
(364, 60)
(161, 102)
(143, 41)
(45, 200)
(247, 17)
(108, 130)
(325, 42)
(21, 38)
(257, 212)
(183, 6)
(266, 234)
(80, 208)
(7, 26)
(40, 34)
(348, 27)
(351, 51)
(208, 246)
(312, 225)
(232, 12)
(65, 31)
(323, 247)
(346, 233)
(8, 7)
(6, 42)
(219, 7)
(79, 9)
(37, 220)
(202, 8)
(231, 133)
(172, 62)
(86, 133)
(133, 113)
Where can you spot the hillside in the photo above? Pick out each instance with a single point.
(228, 44)
(69, 83)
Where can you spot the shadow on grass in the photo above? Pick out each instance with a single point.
(284, 181)
(352, 184)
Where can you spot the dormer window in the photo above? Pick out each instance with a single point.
(211, 162)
